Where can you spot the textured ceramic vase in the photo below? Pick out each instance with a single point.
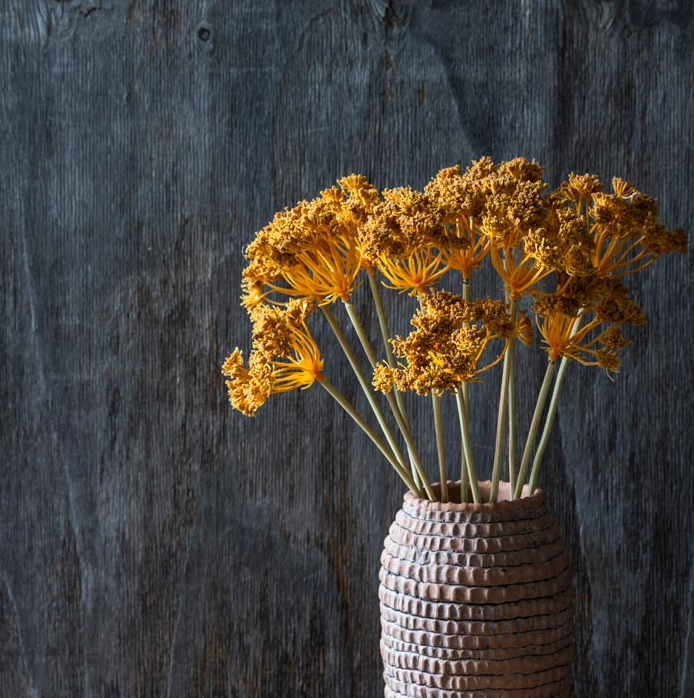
(476, 600)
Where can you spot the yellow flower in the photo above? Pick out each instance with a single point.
(447, 345)
(460, 201)
(253, 294)
(587, 344)
(513, 202)
(628, 234)
(248, 387)
(415, 273)
(469, 257)
(578, 189)
(621, 232)
(403, 222)
(284, 357)
(302, 368)
(325, 273)
(518, 270)
(311, 250)
(273, 326)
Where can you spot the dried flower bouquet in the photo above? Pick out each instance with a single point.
(560, 257)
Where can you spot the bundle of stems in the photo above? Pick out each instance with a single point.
(559, 257)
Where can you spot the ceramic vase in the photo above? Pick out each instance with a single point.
(476, 600)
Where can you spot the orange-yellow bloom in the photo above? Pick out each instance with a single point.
(302, 368)
(311, 250)
(447, 345)
(468, 256)
(415, 273)
(284, 357)
(625, 231)
(325, 273)
(587, 344)
(518, 270)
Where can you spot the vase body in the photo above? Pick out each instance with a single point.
(476, 600)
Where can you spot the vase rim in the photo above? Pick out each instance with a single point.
(503, 502)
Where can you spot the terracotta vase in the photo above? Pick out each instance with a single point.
(476, 600)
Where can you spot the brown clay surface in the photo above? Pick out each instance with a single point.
(474, 627)
(476, 600)
(456, 611)
(493, 654)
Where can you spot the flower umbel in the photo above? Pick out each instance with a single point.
(284, 357)
(447, 345)
(415, 273)
(311, 251)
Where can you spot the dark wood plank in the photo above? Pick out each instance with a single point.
(153, 542)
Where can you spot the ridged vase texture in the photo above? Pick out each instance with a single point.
(476, 600)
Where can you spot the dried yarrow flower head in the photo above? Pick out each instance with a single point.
(284, 356)
(446, 347)
(310, 251)
(561, 259)
(403, 240)
(460, 203)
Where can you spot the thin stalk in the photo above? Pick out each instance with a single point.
(462, 418)
(549, 422)
(359, 329)
(382, 320)
(512, 453)
(501, 417)
(411, 448)
(552, 411)
(390, 457)
(466, 386)
(463, 401)
(440, 447)
(364, 385)
(511, 358)
(404, 427)
(467, 458)
(385, 333)
(534, 426)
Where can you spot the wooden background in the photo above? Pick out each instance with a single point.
(153, 542)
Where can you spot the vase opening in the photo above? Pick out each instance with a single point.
(485, 489)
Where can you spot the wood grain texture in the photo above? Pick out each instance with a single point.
(152, 542)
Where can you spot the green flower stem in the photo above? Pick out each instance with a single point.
(404, 428)
(340, 398)
(468, 472)
(462, 417)
(462, 399)
(552, 411)
(339, 334)
(512, 455)
(381, 313)
(412, 448)
(359, 329)
(440, 447)
(549, 422)
(501, 417)
(466, 386)
(534, 426)
(385, 333)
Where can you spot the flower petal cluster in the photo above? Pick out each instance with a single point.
(447, 345)
(583, 322)
(404, 239)
(606, 237)
(311, 251)
(460, 202)
(624, 227)
(284, 357)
